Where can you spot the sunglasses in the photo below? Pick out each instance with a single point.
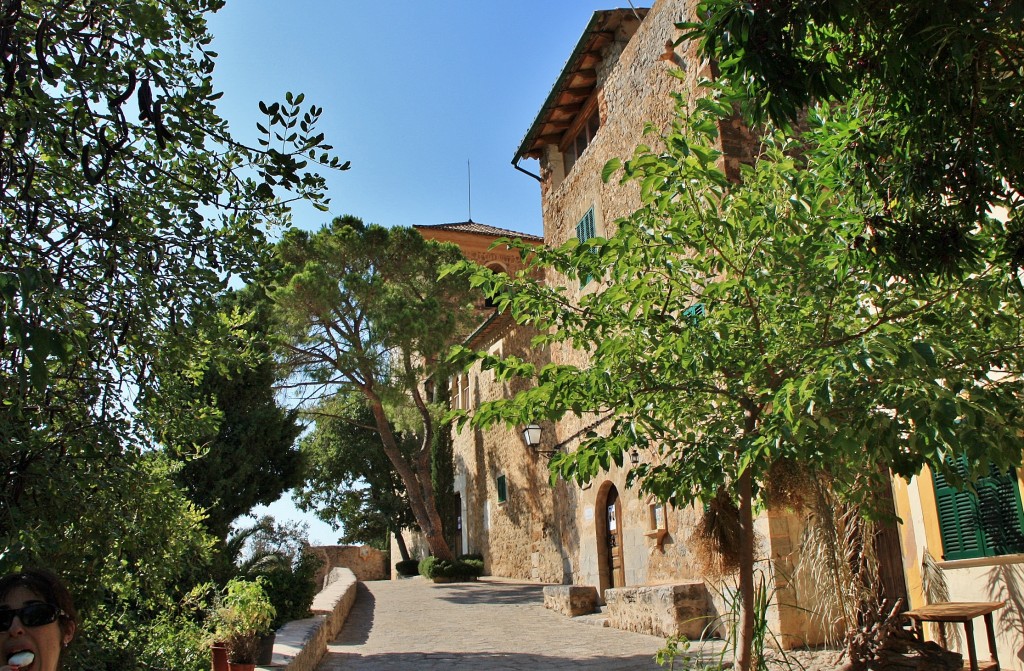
(32, 615)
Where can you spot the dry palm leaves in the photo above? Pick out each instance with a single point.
(715, 541)
(788, 485)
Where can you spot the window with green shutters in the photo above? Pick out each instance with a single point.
(502, 489)
(586, 230)
(984, 522)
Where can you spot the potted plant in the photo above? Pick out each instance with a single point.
(244, 616)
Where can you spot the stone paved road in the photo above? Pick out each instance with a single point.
(491, 625)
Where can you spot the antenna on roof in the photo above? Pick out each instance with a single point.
(469, 188)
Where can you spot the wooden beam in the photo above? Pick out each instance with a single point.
(578, 92)
(572, 109)
(586, 77)
(558, 126)
(601, 40)
(550, 138)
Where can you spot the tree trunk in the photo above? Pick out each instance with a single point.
(745, 629)
(417, 484)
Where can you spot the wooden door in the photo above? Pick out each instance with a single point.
(613, 512)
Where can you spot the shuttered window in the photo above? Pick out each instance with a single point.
(986, 522)
(502, 489)
(585, 230)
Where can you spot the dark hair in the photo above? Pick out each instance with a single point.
(47, 587)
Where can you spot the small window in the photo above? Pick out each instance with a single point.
(984, 522)
(502, 489)
(460, 391)
(694, 313)
(575, 146)
(585, 230)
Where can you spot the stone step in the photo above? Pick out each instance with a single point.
(598, 619)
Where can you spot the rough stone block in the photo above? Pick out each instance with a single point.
(571, 600)
(661, 610)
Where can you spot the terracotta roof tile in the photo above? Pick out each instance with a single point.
(479, 229)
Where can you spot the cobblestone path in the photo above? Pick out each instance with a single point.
(491, 625)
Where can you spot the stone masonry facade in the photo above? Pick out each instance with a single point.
(524, 527)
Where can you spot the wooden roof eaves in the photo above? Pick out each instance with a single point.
(599, 32)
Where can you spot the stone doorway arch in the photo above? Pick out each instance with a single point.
(608, 523)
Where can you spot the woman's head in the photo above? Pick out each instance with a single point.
(36, 615)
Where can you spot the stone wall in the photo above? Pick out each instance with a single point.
(299, 645)
(522, 537)
(365, 562)
(550, 534)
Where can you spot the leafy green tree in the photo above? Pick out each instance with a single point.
(246, 455)
(349, 481)
(941, 93)
(126, 203)
(739, 324)
(363, 311)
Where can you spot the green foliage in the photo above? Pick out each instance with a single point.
(674, 647)
(126, 204)
(349, 480)
(743, 323)
(442, 470)
(408, 567)
(457, 570)
(291, 588)
(243, 614)
(119, 636)
(938, 86)
(806, 350)
(363, 310)
(246, 456)
(279, 558)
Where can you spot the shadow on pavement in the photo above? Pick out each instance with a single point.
(491, 594)
(360, 619)
(467, 661)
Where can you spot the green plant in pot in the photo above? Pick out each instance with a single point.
(244, 616)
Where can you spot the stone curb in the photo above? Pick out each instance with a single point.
(301, 644)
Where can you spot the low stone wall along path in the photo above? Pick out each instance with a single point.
(491, 625)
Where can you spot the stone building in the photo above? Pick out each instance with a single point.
(617, 79)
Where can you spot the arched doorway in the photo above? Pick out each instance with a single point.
(609, 538)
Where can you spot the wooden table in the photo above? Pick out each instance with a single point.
(963, 612)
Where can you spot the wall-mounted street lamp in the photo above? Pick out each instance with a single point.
(531, 435)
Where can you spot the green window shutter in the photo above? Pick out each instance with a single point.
(585, 229)
(694, 313)
(1000, 512)
(502, 489)
(983, 524)
(957, 510)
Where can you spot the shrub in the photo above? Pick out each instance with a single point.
(478, 564)
(431, 567)
(426, 566)
(290, 586)
(408, 567)
(472, 556)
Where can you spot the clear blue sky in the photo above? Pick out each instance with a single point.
(411, 91)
